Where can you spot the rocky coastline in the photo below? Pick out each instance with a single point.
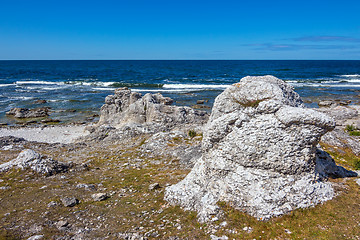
(150, 170)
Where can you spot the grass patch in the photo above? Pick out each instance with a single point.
(352, 130)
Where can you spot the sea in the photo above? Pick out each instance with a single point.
(75, 90)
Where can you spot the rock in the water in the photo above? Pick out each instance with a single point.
(126, 107)
(28, 113)
(69, 201)
(259, 153)
(30, 159)
(99, 196)
(326, 103)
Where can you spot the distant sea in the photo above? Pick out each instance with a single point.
(76, 89)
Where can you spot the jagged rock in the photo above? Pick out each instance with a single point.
(126, 107)
(69, 201)
(28, 113)
(30, 159)
(259, 154)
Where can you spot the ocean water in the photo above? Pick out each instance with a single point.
(76, 89)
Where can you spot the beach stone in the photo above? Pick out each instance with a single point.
(28, 113)
(130, 108)
(69, 201)
(30, 159)
(259, 154)
(99, 196)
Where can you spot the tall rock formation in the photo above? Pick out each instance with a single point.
(259, 154)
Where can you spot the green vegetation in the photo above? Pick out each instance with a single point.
(352, 130)
(192, 133)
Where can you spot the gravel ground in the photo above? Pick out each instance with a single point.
(53, 134)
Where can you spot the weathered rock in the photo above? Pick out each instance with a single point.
(99, 196)
(69, 201)
(259, 153)
(126, 107)
(28, 113)
(30, 159)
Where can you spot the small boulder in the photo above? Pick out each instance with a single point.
(69, 201)
(97, 197)
(61, 225)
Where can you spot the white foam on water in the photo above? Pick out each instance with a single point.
(39, 82)
(104, 89)
(350, 75)
(82, 83)
(353, 80)
(7, 85)
(161, 90)
(195, 86)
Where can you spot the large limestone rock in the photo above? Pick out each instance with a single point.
(259, 154)
(130, 108)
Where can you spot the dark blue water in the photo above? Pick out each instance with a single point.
(83, 85)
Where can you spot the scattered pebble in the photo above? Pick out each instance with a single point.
(248, 229)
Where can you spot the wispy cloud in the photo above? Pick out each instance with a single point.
(326, 39)
(295, 47)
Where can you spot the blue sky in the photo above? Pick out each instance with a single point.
(172, 29)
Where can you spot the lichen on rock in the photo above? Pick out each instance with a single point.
(259, 153)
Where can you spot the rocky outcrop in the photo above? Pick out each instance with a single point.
(29, 159)
(259, 154)
(126, 107)
(28, 113)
